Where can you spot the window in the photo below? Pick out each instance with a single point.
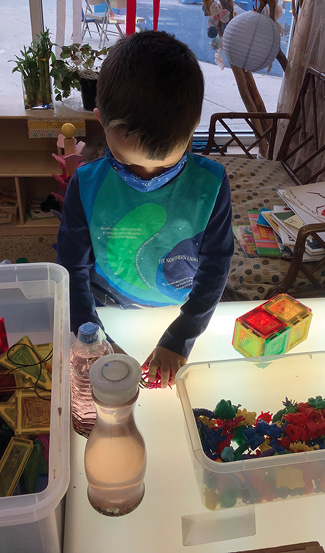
(185, 20)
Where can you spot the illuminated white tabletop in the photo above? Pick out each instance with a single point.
(171, 489)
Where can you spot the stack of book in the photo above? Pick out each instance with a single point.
(306, 206)
(275, 231)
(257, 238)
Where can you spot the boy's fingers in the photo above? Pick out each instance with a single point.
(171, 380)
(156, 364)
(153, 367)
(165, 372)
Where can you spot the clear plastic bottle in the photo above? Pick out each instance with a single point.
(115, 454)
(90, 345)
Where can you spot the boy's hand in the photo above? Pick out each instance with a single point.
(169, 363)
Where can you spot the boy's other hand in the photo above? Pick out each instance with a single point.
(169, 363)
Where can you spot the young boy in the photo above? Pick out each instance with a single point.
(149, 224)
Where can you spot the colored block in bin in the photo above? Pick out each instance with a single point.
(8, 412)
(35, 467)
(13, 463)
(33, 412)
(3, 336)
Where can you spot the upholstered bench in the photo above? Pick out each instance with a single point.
(254, 184)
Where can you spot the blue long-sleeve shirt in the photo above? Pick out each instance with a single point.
(164, 241)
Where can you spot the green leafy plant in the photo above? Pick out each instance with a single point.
(42, 47)
(26, 64)
(33, 64)
(76, 61)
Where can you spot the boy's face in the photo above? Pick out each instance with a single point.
(128, 152)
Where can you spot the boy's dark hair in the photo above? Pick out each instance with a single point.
(151, 85)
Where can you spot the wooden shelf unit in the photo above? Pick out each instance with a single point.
(27, 165)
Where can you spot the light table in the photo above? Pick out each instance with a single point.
(171, 490)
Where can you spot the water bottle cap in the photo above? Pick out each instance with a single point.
(115, 378)
(88, 333)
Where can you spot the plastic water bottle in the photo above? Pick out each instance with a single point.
(91, 344)
(115, 454)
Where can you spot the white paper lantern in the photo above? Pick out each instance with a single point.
(251, 41)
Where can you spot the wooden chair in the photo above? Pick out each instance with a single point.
(300, 160)
(263, 125)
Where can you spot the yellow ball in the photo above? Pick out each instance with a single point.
(68, 130)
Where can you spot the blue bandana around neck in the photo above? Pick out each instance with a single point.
(145, 185)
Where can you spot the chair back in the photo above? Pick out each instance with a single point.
(302, 150)
(264, 125)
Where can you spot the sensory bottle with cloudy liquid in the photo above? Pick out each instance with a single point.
(115, 454)
(91, 344)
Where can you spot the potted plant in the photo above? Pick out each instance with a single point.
(78, 67)
(26, 64)
(33, 64)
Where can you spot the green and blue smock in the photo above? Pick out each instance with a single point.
(135, 242)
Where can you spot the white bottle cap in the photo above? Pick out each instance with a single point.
(115, 378)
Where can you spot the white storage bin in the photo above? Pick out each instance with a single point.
(34, 301)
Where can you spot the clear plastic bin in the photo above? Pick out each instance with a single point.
(34, 301)
(257, 384)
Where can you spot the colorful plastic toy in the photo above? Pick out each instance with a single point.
(273, 328)
(299, 426)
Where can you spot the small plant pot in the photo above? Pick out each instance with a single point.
(88, 89)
